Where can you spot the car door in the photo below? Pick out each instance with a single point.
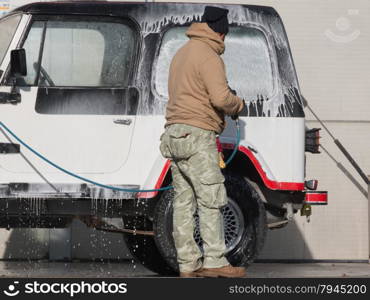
(77, 106)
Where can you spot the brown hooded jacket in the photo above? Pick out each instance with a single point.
(198, 91)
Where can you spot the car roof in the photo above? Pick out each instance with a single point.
(113, 8)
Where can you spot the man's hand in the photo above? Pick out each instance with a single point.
(234, 117)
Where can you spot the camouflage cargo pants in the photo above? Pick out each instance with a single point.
(198, 183)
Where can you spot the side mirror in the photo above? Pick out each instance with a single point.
(18, 63)
(18, 68)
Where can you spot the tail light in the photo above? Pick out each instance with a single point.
(312, 140)
(311, 184)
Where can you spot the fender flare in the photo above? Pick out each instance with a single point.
(270, 184)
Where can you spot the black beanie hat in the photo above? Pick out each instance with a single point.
(216, 19)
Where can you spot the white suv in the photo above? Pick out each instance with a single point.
(85, 86)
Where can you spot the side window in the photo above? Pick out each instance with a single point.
(246, 57)
(81, 66)
(248, 64)
(8, 26)
(32, 46)
(79, 54)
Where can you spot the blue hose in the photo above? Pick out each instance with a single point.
(97, 183)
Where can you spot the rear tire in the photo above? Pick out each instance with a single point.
(244, 223)
(143, 248)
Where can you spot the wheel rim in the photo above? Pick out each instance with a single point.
(233, 225)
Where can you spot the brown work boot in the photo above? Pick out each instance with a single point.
(225, 271)
(193, 274)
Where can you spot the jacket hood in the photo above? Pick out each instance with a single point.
(201, 31)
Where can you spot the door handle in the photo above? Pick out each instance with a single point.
(123, 121)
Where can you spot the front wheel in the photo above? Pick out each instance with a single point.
(244, 223)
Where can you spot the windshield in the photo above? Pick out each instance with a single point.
(8, 26)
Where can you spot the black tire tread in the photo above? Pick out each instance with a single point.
(144, 249)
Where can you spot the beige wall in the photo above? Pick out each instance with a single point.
(334, 77)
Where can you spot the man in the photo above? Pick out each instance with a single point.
(199, 98)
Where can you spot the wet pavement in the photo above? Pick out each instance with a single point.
(43, 269)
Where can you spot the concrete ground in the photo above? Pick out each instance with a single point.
(130, 269)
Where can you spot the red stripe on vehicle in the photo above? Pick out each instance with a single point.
(271, 184)
(159, 182)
